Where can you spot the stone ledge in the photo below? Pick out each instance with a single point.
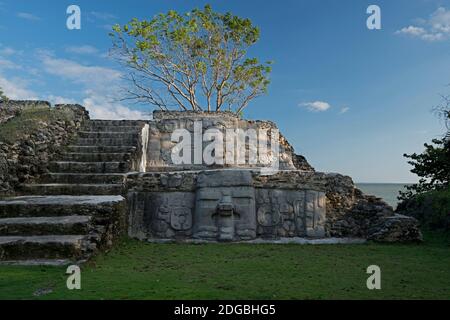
(325, 241)
(187, 180)
(61, 200)
(166, 115)
(38, 262)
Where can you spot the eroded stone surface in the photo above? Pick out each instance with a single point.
(160, 143)
(396, 228)
(227, 205)
(61, 200)
(287, 204)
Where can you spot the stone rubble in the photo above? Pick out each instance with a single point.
(27, 159)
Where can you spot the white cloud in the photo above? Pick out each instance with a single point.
(316, 106)
(7, 64)
(412, 30)
(28, 16)
(100, 107)
(89, 75)
(59, 100)
(440, 20)
(84, 49)
(100, 84)
(344, 110)
(94, 87)
(16, 89)
(433, 36)
(436, 28)
(7, 51)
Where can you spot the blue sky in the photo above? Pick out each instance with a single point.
(351, 100)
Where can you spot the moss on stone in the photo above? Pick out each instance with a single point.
(29, 120)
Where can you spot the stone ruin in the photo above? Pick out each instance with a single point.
(117, 177)
(240, 203)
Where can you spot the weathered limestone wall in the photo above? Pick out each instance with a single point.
(231, 205)
(165, 123)
(27, 158)
(226, 205)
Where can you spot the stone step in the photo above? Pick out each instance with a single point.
(95, 157)
(43, 247)
(71, 189)
(40, 226)
(107, 141)
(101, 149)
(103, 128)
(105, 135)
(113, 123)
(84, 178)
(89, 167)
(59, 205)
(38, 262)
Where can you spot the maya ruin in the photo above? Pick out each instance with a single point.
(69, 195)
(224, 158)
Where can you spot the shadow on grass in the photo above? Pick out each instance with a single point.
(138, 270)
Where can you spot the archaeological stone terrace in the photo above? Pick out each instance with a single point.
(74, 187)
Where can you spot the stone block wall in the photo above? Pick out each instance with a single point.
(236, 205)
(164, 123)
(226, 205)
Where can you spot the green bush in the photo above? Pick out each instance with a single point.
(3, 97)
(432, 209)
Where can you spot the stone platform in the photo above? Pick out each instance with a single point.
(117, 177)
(226, 205)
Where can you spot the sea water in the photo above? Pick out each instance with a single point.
(388, 191)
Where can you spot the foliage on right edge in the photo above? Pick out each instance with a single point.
(433, 164)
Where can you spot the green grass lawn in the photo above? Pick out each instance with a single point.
(136, 270)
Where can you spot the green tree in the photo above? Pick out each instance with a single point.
(433, 165)
(3, 97)
(195, 60)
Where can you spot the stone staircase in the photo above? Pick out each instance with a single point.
(77, 208)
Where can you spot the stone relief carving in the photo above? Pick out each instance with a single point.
(315, 214)
(289, 213)
(169, 214)
(225, 206)
(181, 218)
(227, 212)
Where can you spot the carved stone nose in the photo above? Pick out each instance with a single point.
(225, 207)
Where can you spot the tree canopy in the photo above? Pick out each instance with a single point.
(197, 60)
(433, 164)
